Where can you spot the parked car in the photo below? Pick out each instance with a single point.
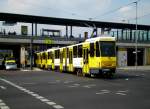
(10, 63)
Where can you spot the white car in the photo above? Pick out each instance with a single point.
(10, 65)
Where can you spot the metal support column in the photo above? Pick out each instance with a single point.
(117, 35)
(31, 49)
(126, 34)
(122, 34)
(113, 34)
(66, 31)
(96, 32)
(130, 35)
(71, 31)
(35, 29)
(147, 35)
(136, 48)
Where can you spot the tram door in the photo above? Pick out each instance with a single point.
(53, 67)
(70, 61)
(85, 60)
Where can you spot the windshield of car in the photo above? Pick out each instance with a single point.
(10, 63)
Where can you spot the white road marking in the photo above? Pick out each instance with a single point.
(27, 91)
(66, 82)
(102, 93)
(74, 85)
(25, 70)
(56, 106)
(29, 83)
(2, 104)
(19, 87)
(39, 97)
(44, 100)
(89, 86)
(4, 107)
(35, 95)
(105, 90)
(23, 89)
(120, 93)
(51, 103)
(57, 80)
(2, 87)
(1, 100)
(30, 92)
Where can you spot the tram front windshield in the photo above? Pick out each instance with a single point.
(107, 49)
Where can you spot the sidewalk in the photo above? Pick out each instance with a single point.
(28, 69)
(135, 68)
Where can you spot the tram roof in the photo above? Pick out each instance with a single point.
(101, 38)
(67, 22)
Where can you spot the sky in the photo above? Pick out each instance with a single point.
(97, 10)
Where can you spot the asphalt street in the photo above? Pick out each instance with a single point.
(54, 90)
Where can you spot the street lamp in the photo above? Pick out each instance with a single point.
(136, 39)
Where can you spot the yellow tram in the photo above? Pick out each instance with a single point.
(92, 57)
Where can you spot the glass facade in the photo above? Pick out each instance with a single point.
(130, 35)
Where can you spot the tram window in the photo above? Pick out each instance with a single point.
(107, 48)
(87, 55)
(75, 51)
(92, 49)
(63, 52)
(97, 50)
(58, 53)
(70, 57)
(48, 55)
(43, 55)
(55, 53)
(61, 57)
(80, 51)
(52, 58)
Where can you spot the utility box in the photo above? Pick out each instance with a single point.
(122, 57)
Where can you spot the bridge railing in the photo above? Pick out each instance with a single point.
(64, 38)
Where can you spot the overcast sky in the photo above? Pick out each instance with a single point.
(99, 10)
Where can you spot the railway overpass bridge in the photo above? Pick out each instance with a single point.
(125, 35)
